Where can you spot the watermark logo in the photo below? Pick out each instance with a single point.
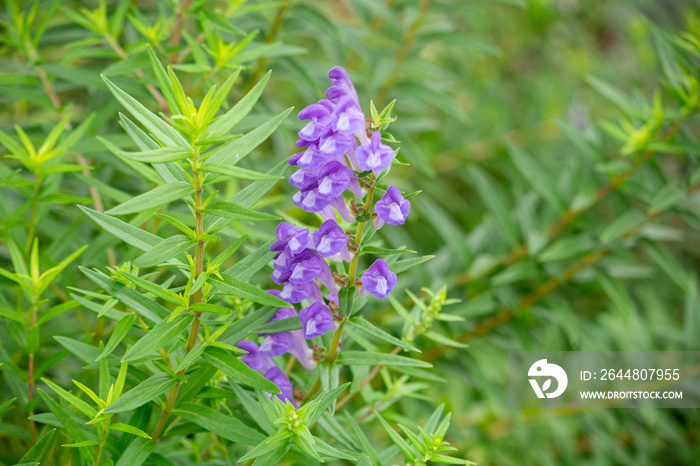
(542, 368)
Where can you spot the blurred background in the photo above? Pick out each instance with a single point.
(555, 215)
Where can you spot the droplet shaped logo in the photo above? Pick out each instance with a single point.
(541, 369)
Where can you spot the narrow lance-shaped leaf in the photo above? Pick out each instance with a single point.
(160, 336)
(154, 198)
(238, 370)
(144, 392)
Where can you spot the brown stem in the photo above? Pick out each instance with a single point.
(179, 23)
(365, 381)
(615, 183)
(274, 29)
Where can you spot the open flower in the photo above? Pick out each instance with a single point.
(317, 319)
(374, 155)
(291, 239)
(347, 117)
(378, 280)
(392, 208)
(330, 239)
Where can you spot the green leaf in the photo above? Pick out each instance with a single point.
(137, 452)
(166, 87)
(280, 440)
(160, 155)
(213, 308)
(346, 296)
(40, 449)
(443, 340)
(279, 326)
(141, 394)
(494, 199)
(154, 198)
(538, 178)
(232, 153)
(238, 370)
(84, 443)
(407, 264)
(71, 427)
(159, 337)
(218, 423)
(72, 400)
(245, 290)
(237, 212)
(384, 252)
(227, 121)
(167, 249)
(366, 358)
(248, 196)
(144, 306)
(166, 134)
(405, 448)
(361, 324)
(670, 266)
(128, 233)
(118, 334)
(239, 329)
(238, 173)
(129, 430)
(665, 198)
(624, 224)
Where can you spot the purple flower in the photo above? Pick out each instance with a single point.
(254, 359)
(333, 145)
(347, 117)
(329, 239)
(374, 155)
(279, 378)
(392, 208)
(293, 342)
(291, 239)
(310, 159)
(310, 201)
(378, 280)
(342, 85)
(317, 319)
(297, 293)
(306, 267)
(320, 116)
(332, 180)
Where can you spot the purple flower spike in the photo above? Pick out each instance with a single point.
(329, 239)
(347, 117)
(279, 378)
(374, 155)
(291, 239)
(379, 280)
(392, 208)
(317, 319)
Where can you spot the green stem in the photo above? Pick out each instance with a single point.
(197, 298)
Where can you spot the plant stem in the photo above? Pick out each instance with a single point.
(197, 298)
(30, 370)
(179, 23)
(330, 358)
(102, 444)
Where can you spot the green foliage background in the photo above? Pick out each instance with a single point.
(554, 142)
